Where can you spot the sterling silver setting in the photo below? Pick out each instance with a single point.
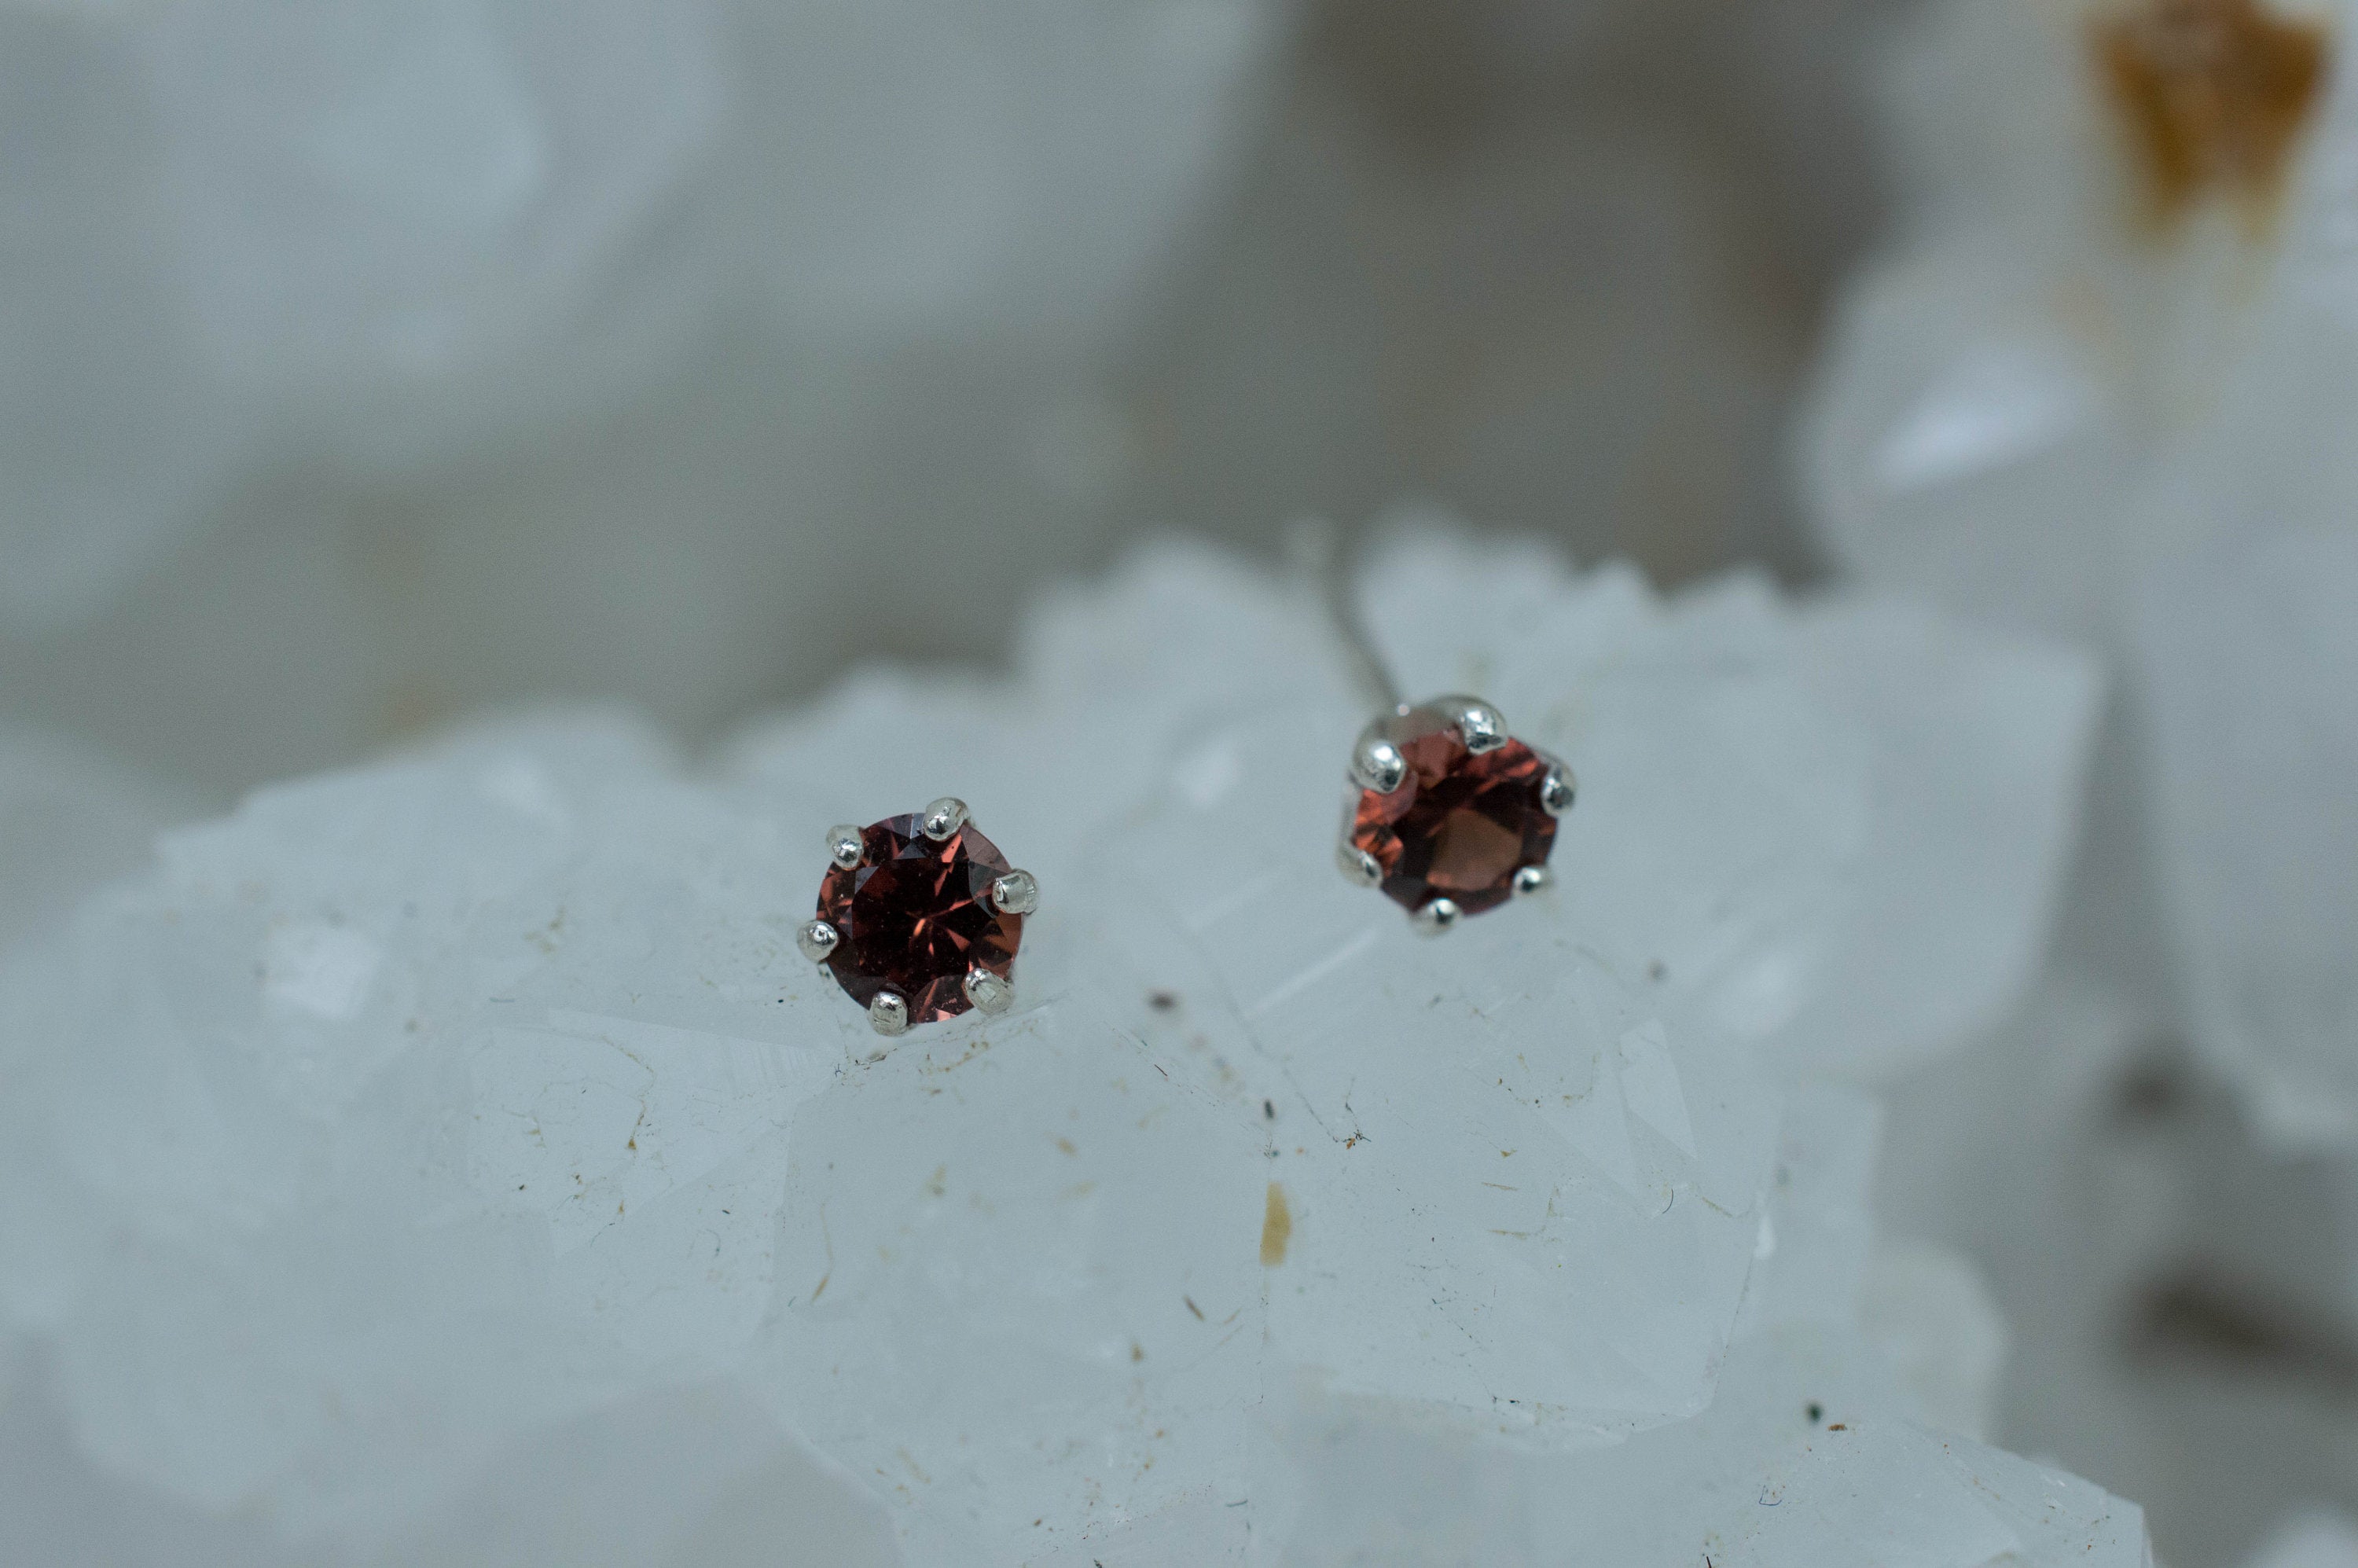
(1379, 764)
(818, 940)
(1470, 832)
(943, 817)
(888, 1014)
(987, 992)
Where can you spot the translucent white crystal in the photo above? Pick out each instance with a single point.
(1809, 1453)
(2038, 391)
(1020, 1294)
(386, 193)
(107, 456)
(1812, 1256)
(2248, 660)
(2052, 402)
(1805, 1458)
(68, 821)
(1514, 1183)
(399, 236)
(695, 1475)
(1928, 1312)
(411, 1145)
(2313, 1539)
(1841, 830)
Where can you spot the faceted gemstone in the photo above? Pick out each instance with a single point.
(915, 915)
(1460, 825)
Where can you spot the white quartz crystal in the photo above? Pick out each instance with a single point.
(1806, 1458)
(2249, 659)
(2099, 380)
(2315, 1539)
(397, 235)
(1841, 828)
(453, 1159)
(1812, 1450)
(2043, 385)
(68, 821)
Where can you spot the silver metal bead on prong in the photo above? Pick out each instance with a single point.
(1556, 789)
(818, 940)
(1529, 880)
(1361, 869)
(1482, 727)
(1015, 893)
(987, 992)
(1377, 764)
(888, 1013)
(943, 817)
(843, 844)
(1436, 915)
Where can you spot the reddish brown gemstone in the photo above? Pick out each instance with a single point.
(915, 915)
(1460, 825)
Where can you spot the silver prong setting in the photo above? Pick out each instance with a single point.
(844, 845)
(1436, 915)
(1358, 867)
(888, 1014)
(1529, 880)
(1377, 764)
(1017, 893)
(1557, 790)
(1482, 727)
(818, 940)
(943, 817)
(988, 992)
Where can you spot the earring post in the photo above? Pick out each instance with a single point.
(1315, 547)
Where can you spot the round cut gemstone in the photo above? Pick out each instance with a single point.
(915, 915)
(1461, 824)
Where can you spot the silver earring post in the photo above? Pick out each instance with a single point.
(1396, 815)
(1316, 550)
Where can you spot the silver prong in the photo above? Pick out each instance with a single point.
(888, 1013)
(1529, 880)
(1436, 915)
(1482, 727)
(1556, 789)
(988, 992)
(843, 844)
(944, 817)
(818, 940)
(1377, 764)
(1015, 893)
(1358, 867)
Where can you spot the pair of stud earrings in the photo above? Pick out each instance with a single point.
(920, 917)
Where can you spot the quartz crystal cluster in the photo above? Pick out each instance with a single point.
(398, 234)
(2101, 380)
(454, 1160)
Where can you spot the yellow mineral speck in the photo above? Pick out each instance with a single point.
(1276, 1227)
(2211, 96)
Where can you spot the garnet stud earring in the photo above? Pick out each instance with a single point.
(1449, 813)
(919, 917)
